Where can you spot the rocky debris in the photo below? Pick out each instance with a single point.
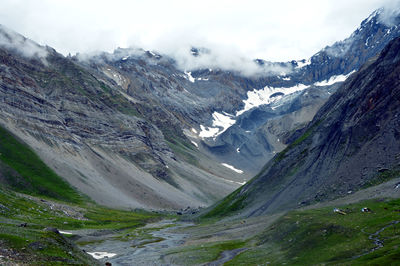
(51, 229)
(339, 211)
(11, 257)
(188, 210)
(37, 245)
(61, 208)
(3, 208)
(366, 209)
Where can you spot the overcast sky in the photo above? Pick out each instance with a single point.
(273, 30)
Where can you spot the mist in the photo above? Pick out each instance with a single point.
(25, 47)
(234, 32)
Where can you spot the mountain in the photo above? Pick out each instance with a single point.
(112, 147)
(277, 104)
(239, 119)
(352, 142)
(131, 129)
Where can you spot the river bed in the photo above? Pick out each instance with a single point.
(151, 252)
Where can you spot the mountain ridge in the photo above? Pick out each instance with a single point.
(134, 115)
(352, 142)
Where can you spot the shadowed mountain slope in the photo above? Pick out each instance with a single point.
(353, 142)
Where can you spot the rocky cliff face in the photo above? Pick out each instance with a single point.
(352, 142)
(304, 87)
(238, 119)
(97, 137)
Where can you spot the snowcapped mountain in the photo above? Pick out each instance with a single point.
(133, 129)
(352, 143)
(275, 106)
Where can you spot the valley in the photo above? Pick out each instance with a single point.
(124, 157)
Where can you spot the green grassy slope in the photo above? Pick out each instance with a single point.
(321, 236)
(34, 245)
(31, 193)
(22, 170)
(315, 236)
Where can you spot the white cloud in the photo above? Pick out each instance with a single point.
(389, 14)
(272, 30)
(11, 40)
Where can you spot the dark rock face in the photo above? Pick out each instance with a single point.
(351, 138)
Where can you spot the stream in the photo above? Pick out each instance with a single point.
(130, 253)
(375, 238)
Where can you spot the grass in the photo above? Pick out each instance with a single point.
(200, 254)
(32, 193)
(228, 206)
(280, 156)
(320, 236)
(184, 151)
(112, 99)
(50, 248)
(383, 177)
(26, 172)
(39, 247)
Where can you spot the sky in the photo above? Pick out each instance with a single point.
(272, 30)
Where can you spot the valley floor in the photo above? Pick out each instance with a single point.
(312, 235)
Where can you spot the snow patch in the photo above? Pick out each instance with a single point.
(286, 78)
(195, 144)
(231, 181)
(101, 255)
(276, 106)
(232, 168)
(221, 122)
(224, 121)
(65, 232)
(303, 63)
(208, 132)
(238, 150)
(332, 80)
(189, 76)
(194, 130)
(256, 98)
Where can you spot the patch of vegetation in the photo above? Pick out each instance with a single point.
(383, 177)
(114, 99)
(280, 156)
(24, 219)
(183, 151)
(36, 177)
(321, 236)
(200, 254)
(141, 235)
(40, 247)
(105, 218)
(228, 206)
